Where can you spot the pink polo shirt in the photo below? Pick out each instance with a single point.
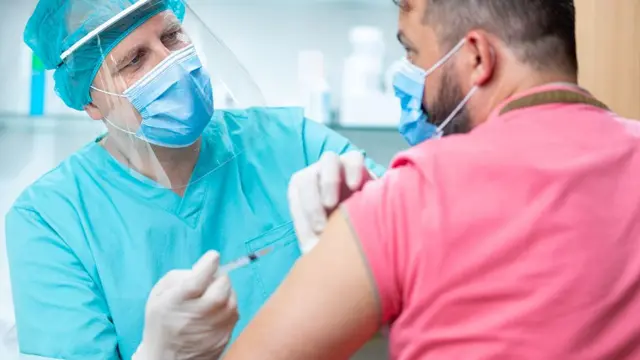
(519, 240)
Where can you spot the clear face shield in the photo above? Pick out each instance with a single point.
(156, 69)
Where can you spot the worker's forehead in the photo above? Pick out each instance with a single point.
(158, 22)
(154, 27)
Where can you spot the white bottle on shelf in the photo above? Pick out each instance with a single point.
(363, 68)
(363, 102)
(314, 90)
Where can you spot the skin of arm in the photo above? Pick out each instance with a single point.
(327, 307)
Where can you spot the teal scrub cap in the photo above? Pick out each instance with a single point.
(57, 25)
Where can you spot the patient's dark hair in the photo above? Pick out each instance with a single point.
(540, 32)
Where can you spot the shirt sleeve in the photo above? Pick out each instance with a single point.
(382, 217)
(60, 312)
(319, 139)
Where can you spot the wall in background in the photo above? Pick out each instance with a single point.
(608, 35)
(267, 38)
(15, 62)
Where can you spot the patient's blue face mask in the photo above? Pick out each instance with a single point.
(175, 101)
(409, 83)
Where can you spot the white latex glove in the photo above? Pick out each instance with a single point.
(190, 314)
(317, 190)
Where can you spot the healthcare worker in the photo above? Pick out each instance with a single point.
(514, 236)
(172, 179)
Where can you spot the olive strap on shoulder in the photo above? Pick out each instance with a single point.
(552, 97)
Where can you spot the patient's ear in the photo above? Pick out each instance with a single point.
(482, 57)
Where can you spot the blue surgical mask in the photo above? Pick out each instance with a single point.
(175, 101)
(409, 83)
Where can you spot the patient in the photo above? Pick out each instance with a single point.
(516, 237)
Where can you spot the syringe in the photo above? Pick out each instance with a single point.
(244, 261)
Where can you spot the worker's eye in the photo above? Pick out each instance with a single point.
(409, 51)
(137, 60)
(172, 38)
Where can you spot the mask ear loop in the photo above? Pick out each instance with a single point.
(128, 132)
(455, 112)
(107, 92)
(461, 105)
(409, 67)
(446, 58)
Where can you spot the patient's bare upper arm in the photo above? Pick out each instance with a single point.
(325, 309)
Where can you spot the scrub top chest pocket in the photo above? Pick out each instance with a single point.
(272, 268)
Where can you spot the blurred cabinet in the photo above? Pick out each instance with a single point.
(608, 35)
(380, 144)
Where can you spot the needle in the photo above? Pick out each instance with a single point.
(244, 261)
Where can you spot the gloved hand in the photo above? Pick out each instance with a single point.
(317, 190)
(190, 314)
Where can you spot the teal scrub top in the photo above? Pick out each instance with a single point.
(87, 242)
